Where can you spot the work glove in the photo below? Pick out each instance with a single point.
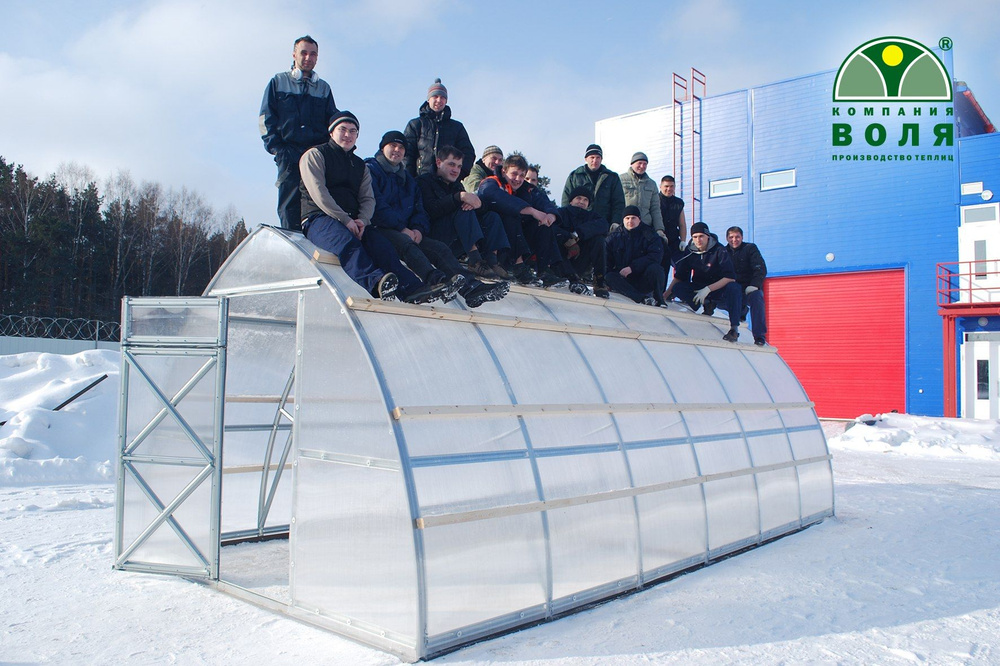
(749, 290)
(701, 295)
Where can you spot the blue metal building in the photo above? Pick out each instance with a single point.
(853, 234)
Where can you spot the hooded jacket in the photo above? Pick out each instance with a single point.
(609, 198)
(430, 131)
(703, 268)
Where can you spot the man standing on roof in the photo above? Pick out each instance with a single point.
(483, 168)
(640, 191)
(609, 199)
(704, 277)
(400, 217)
(337, 207)
(433, 128)
(750, 273)
(672, 213)
(294, 114)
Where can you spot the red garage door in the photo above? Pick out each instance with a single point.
(844, 337)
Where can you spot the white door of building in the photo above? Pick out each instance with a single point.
(980, 381)
(979, 254)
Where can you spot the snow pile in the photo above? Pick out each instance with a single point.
(73, 445)
(922, 436)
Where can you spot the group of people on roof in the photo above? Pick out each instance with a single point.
(424, 220)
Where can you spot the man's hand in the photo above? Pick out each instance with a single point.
(749, 290)
(414, 235)
(661, 234)
(548, 221)
(625, 272)
(701, 295)
(356, 227)
(470, 200)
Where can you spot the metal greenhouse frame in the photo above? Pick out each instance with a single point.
(443, 474)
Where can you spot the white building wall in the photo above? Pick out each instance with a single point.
(650, 131)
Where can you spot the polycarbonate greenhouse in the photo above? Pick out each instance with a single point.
(419, 477)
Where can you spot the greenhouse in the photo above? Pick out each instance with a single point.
(420, 477)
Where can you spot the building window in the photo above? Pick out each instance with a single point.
(981, 213)
(980, 252)
(983, 380)
(725, 188)
(776, 180)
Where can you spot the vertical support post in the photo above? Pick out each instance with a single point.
(680, 95)
(950, 375)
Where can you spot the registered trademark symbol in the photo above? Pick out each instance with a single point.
(945, 43)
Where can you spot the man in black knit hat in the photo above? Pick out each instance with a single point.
(609, 198)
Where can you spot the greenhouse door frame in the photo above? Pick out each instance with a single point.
(212, 348)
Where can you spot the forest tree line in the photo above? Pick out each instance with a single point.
(72, 248)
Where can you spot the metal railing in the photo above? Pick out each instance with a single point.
(59, 328)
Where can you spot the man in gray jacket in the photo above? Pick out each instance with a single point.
(640, 191)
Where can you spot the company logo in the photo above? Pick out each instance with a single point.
(892, 69)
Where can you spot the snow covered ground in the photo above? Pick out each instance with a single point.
(907, 572)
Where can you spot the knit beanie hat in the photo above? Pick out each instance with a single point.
(392, 136)
(699, 228)
(437, 88)
(492, 150)
(593, 149)
(343, 117)
(581, 191)
(639, 156)
(633, 210)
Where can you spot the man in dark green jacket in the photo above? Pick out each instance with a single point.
(609, 198)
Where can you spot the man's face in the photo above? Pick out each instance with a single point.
(305, 55)
(532, 177)
(735, 239)
(667, 188)
(515, 176)
(593, 161)
(580, 201)
(437, 103)
(450, 168)
(345, 135)
(394, 152)
(700, 241)
(639, 166)
(632, 221)
(492, 161)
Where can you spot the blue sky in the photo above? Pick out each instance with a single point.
(170, 89)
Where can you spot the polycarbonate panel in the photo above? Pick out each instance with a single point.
(243, 458)
(816, 488)
(652, 320)
(798, 418)
(621, 367)
(780, 382)
(588, 314)
(165, 546)
(339, 406)
(197, 408)
(516, 304)
(430, 362)
(688, 374)
(672, 521)
(706, 328)
(591, 544)
(352, 546)
(484, 569)
(542, 367)
(808, 443)
(734, 371)
(731, 503)
(778, 490)
(267, 256)
(160, 320)
(480, 569)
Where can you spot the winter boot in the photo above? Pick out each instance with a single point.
(476, 293)
(386, 287)
(732, 336)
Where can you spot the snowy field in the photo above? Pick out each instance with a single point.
(907, 572)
